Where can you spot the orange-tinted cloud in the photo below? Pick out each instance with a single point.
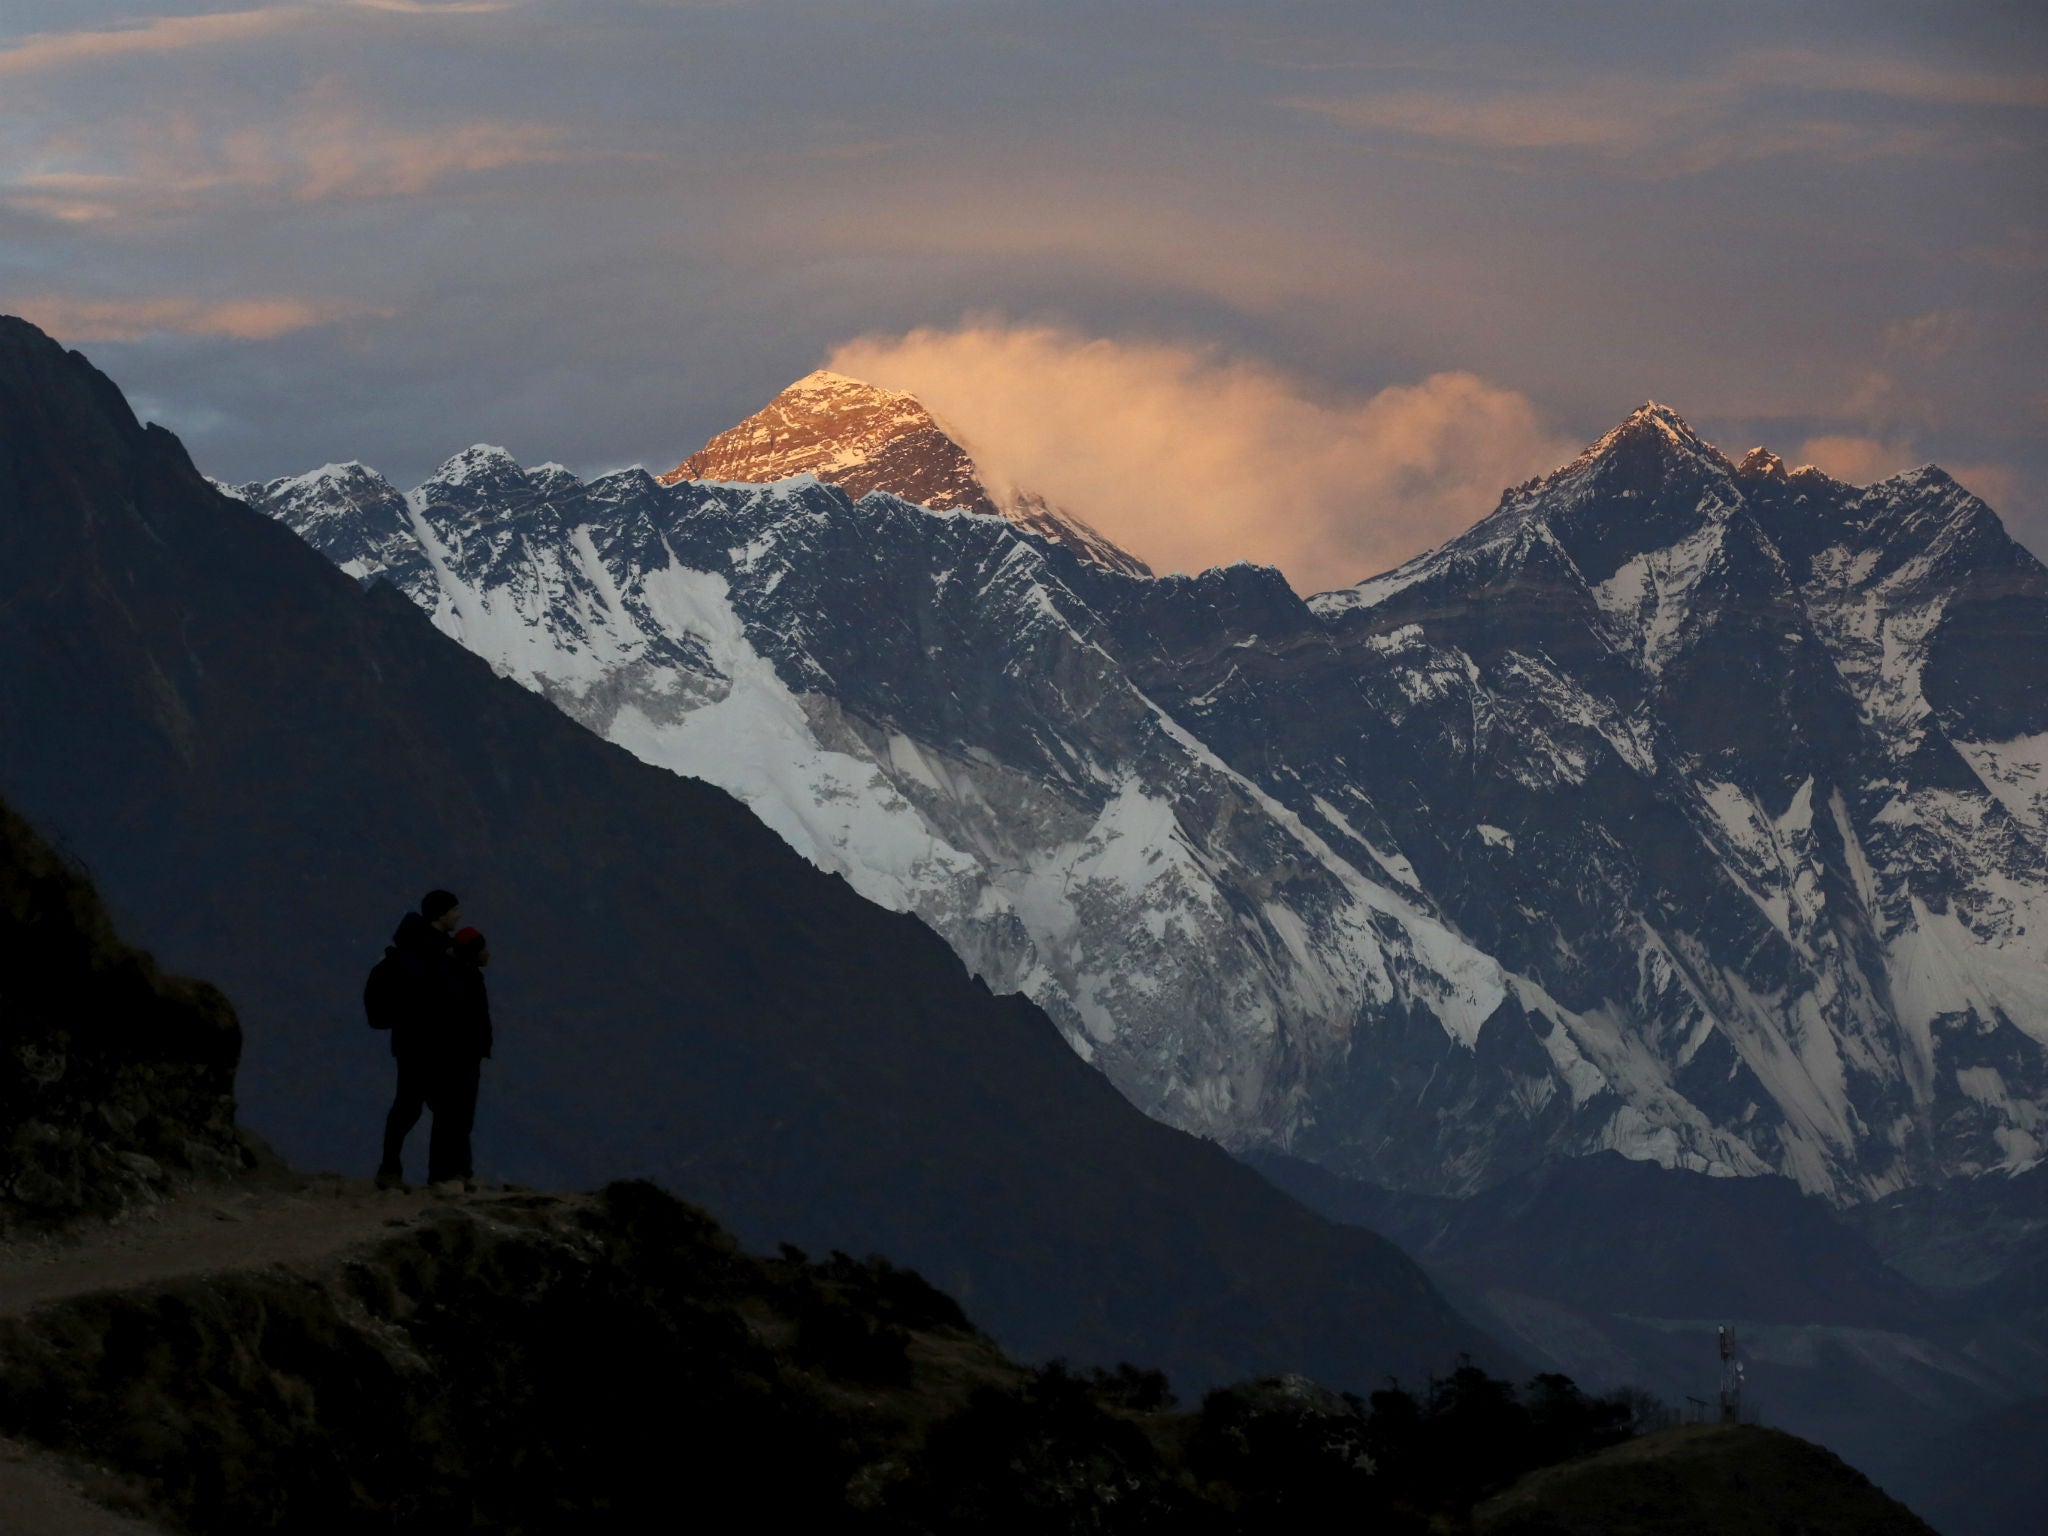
(1858, 460)
(165, 34)
(174, 34)
(1192, 461)
(336, 152)
(1861, 460)
(264, 319)
(329, 149)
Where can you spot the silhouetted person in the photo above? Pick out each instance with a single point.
(468, 1043)
(423, 1038)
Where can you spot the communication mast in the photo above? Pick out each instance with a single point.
(1731, 1377)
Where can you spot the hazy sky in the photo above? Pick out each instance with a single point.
(1301, 282)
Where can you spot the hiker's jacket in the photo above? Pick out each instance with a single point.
(471, 1035)
(428, 1023)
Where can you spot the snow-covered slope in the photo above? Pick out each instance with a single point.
(1681, 807)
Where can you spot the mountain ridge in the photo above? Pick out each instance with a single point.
(1626, 818)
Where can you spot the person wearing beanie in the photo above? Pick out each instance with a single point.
(424, 1039)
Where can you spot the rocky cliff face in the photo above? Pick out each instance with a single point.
(118, 1081)
(1681, 807)
(864, 439)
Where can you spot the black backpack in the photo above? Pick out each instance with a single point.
(387, 995)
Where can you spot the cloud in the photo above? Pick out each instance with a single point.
(336, 152)
(262, 319)
(1757, 106)
(1862, 460)
(1249, 263)
(173, 34)
(165, 34)
(1930, 337)
(1858, 460)
(2021, 250)
(1191, 460)
(329, 149)
(437, 7)
(1899, 79)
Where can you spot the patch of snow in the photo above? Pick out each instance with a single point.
(2015, 771)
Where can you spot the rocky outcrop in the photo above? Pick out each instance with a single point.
(116, 1081)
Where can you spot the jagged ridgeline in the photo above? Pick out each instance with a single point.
(263, 764)
(116, 1081)
(1682, 806)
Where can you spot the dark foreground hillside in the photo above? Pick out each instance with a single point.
(203, 1341)
(528, 1362)
(116, 1081)
(1699, 1480)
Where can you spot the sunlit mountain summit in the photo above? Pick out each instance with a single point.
(863, 439)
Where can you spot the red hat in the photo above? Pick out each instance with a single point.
(465, 937)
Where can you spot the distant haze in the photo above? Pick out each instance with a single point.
(1391, 256)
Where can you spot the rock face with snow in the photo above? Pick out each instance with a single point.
(1681, 807)
(861, 438)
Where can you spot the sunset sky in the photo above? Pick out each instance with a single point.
(1305, 283)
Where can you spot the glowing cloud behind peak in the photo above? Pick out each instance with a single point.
(1190, 460)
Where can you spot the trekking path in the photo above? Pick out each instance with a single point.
(40, 1496)
(207, 1230)
(269, 1218)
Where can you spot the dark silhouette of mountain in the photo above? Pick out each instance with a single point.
(116, 1081)
(1700, 1480)
(1612, 1234)
(262, 764)
(1986, 1477)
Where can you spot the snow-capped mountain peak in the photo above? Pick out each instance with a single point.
(1655, 433)
(1761, 464)
(863, 439)
(477, 463)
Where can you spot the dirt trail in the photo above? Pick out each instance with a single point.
(302, 1223)
(206, 1231)
(41, 1496)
